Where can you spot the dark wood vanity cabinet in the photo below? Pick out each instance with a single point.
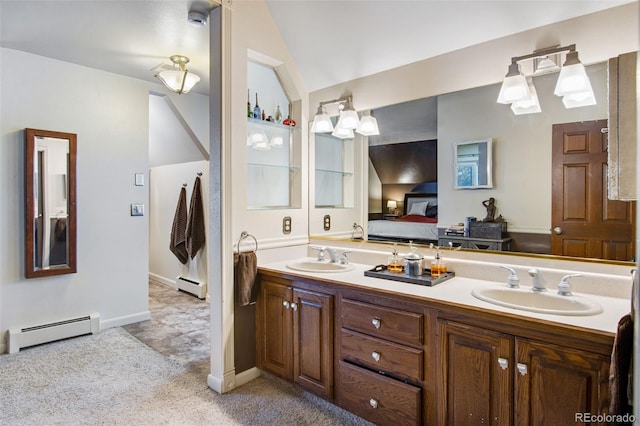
(399, 360)
(381, 365)
(294, 334)
(489, 377)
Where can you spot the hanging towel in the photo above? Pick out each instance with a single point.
(245, 268)
(195, 223)
(178, 241)
(621, 369)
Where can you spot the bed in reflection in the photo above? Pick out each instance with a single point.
(418, 223)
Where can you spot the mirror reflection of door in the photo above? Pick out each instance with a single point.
(585, 223)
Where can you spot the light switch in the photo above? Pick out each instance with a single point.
(139, 179)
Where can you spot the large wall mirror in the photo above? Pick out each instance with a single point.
(50, 203)
(522, 183)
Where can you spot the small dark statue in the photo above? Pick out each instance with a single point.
(490, 205)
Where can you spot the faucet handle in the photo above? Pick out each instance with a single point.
(513, 281)
(344, 260)
(320, 252)
(564, 288)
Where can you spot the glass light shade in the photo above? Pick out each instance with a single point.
(321, 123)
(277, 142)
(368, 126)
(259, 141)
(514, 88)
(343, 133)
(348, 119)
(579, 99)
(573, 78)
(178, 81)
(391, 204)
(530, 105)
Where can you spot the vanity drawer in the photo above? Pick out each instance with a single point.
(397, 360)
(377, 398)
(399, 326)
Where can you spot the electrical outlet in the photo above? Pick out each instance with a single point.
(286, 225)
(327, 222)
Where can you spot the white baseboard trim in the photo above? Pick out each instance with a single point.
(3, 346)
(227, 383)
(247, 376)
(163, 280)
(124, 320)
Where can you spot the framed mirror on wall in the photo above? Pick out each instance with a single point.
(50, 203)
(473, 166)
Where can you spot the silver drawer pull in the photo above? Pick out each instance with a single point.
(522, 369)
(373, 403)
(294, 306)
(375, 356)
(376, 322)
(503, 363)
(285, 304)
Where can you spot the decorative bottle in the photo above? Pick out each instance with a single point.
(278, 114)
(256, 109)
(249, 111)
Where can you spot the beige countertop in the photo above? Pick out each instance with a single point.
(458, 290)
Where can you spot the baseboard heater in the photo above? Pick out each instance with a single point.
(45, 333)
(196, 288)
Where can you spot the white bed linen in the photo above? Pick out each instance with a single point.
(404, 230)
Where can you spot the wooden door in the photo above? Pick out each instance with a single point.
(274, 329)
(476, 382)
(584, 222)
(554, 384)
(313, 341)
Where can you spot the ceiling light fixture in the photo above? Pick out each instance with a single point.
(573, 82)
(348, 120)
(178, 79)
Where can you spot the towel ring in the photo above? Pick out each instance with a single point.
(244, 235)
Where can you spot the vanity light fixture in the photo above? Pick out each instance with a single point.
(573, 83)
(178, 79)
(348, 120)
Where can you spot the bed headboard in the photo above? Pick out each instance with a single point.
(418, 197)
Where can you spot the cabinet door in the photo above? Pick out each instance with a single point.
(313, 341)
(554, 384)
(476, 382)
(273, 325)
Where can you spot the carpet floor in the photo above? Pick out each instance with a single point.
(114, 378)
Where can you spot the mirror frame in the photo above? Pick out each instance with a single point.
(489, 165)
(29, 186)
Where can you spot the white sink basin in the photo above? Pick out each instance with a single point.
(313, 265)
(545, 302)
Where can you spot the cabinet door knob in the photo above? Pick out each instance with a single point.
(557, 230)
(294, 306)
(375, 356)
(503, 363)
(376, 322)
(373, 403)
(285, 304)
(522, 369)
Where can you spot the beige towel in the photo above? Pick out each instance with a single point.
(195, 224)
(245, 268)
(177, 243)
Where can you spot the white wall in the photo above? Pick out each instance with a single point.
(109, 114)
(521, 150)
(165, 183)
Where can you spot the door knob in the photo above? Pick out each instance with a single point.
(503, 363)
(285, 304)
(373, 403)
(557, 230)
(522, 369)
(294, 306)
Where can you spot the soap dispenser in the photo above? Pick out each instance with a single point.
(394, 264)
(438, 265)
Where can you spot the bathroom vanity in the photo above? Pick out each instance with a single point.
(398, 353)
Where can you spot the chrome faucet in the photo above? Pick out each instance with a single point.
(333, 254)
(539, 283)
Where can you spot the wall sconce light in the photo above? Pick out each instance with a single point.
(348, 120)
(392, 205)
(573, 83)
(178, 79)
